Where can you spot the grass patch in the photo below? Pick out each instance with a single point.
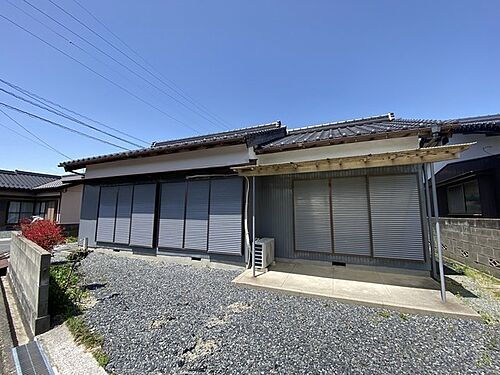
(484, 361)
(485, 280)
(65, 297)
(404, 316)
(71, 239)
(384, 314)
(488, 318)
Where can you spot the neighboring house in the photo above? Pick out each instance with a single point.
(24, 194)
(346, 192)
(470, 187)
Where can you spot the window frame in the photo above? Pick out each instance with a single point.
(466, 208)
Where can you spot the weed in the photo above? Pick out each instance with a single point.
(71, 239)
(404, 316)
(384, 314)
(484, 361)
(488, 318)
(101, 357)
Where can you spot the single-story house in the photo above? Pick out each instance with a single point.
(24, 194)
(348, 192)
(470, 186)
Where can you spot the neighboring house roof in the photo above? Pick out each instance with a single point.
(251, 136)
(59, 183)
(363, 129)
(24, 180)
(479, 125)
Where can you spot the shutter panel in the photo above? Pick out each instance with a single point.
(197, 215)
(395, 214)
(107, 214)
(143, 210)
(88, 214)
(123, 214)
(171, 229)
(225, 218)
(312, 216)
(351, 221)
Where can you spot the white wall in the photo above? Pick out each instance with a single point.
(341, 150)
(71, 200)
(208, 158)
(486, 146)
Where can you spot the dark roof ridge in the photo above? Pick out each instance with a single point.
(270, 125)
(17, 171)
(345, 123)
(494, 117)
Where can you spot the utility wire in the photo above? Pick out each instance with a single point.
(106, 54)
(59, 113)
(50, 104)
(99, 74)
(134, 61)
(61, 126)
(176, 89)
(42, 142)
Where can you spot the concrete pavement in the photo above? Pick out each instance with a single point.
(408, 293)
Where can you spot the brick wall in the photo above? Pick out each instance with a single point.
(474, 242)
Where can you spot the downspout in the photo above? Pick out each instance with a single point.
(438, 234)
(253, 226)
(429, 222)
(247, 232)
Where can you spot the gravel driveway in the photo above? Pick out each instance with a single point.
(163, 318)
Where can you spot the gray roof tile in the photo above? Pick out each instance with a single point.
(24, 180)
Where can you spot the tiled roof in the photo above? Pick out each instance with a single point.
(164, 147)
(24, 180)
(63, 181)
(481, 124)
(363, 129)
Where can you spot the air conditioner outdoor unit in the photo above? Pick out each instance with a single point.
(264, 252)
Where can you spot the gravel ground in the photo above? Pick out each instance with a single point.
(160, 318)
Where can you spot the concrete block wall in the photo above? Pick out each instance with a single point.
(28, 275)
(474, 242)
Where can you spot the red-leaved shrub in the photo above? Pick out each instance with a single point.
(44, 233)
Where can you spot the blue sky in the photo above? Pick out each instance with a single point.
(249, 62)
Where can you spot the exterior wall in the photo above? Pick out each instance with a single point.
(474, 242)
(199, 159)
(71, 200)
(28, 275)
(486, 146)
(275, 216)
(340, 150)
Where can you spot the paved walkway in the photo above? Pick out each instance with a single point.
(403, 292)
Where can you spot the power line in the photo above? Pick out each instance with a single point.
(101, 51)
(42, 142)
(176, 89)
(61, 126)
(48, 103)
(99, 74)
(134, 61)
(59, 113)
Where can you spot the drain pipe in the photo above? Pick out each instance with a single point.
(253, 226)
(247, 232)
(429, 222)
(438, 234)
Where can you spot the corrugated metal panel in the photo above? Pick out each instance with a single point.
(123, 214)
(197, 215)
(88, 214)
(107, 214)
(172, 207)
(225, 219)
(312, 216)
(351, 221)
(396, 218)
(143, 208)
(275, 200)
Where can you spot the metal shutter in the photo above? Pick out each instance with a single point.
(88, 214)
(107, 214)
(225, 218)
(351, 220)
(197, 215)
(312, 216)
(143, 209)
(172, 204)
(123, 214)
(395, 214)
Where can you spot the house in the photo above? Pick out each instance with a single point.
(348, 192)
(24, 194)
(470, 187)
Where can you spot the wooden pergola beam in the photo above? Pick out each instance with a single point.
(406, 157)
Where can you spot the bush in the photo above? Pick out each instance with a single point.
(44, 233)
